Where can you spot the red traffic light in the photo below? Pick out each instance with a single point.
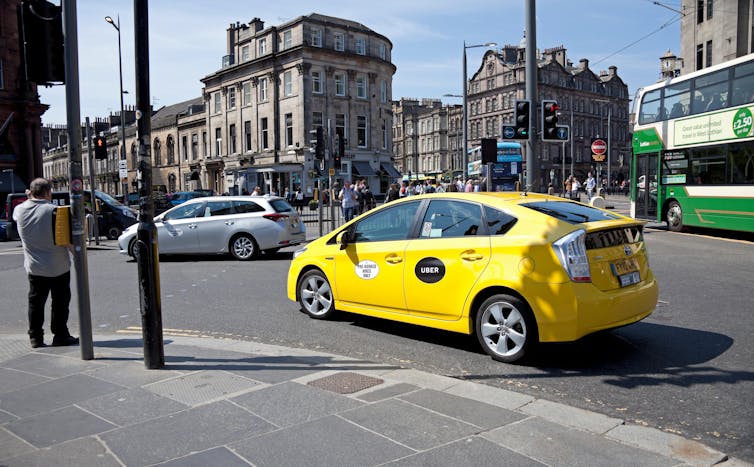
(551, 107)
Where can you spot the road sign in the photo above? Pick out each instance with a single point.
(563, 132)
(123, 169)
(599, 146)
(509, 131)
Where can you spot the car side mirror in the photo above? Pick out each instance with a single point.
(342, 239)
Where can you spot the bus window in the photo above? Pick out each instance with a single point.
(741, 163)
(650, 107)
(708, 166)
(743, 84)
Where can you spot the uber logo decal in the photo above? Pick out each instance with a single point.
(430, 270)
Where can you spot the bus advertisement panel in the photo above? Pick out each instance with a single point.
(693, 164)
(505, 172)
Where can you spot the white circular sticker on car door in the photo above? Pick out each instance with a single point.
(367, 269)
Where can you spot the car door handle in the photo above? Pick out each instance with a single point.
(394, 259)
(471, 256)
(229, 222)
(192, 226)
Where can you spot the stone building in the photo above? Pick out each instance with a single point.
(592, 104)
(713, 32)
(20, 110)
(277, 84)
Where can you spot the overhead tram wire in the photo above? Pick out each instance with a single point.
(663, 26)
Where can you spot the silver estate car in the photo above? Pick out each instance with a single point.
(243, 226)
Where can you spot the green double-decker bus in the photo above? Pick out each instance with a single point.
(693, 149)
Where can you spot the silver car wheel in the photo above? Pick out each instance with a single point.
(315, 295)
(506, 328)
(243, 247)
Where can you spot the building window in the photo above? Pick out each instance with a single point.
(184, 147)
(263, 90)
(289, 129)
(204, 144)
(171, 150)
(317, 119)
(360, 46)
(384, 134)
(339, 41)
(247, 93)
(216, 97)
(699, 56)
(194, 146)
(340, 128)
(287, 83)
(287, 40)
(708, 53)
(317, 37)
(247, 135)
(262, 47)
(383, 91)
(699, 11)
(316, 82)
(340, 84)
(361, 131)
(156, 147)
(218, 142)
(383, 51)
(245, 53)
(232, 97)
(361, 87)
(232, 139)
(709, 9)
(263, 126)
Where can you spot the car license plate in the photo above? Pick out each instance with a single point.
(629, 279)
(624, 266)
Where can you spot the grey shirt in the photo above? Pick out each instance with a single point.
(41, 256)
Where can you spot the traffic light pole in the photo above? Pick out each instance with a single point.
(532, 169)
(93, 199)
(73, 119)
(146, 233)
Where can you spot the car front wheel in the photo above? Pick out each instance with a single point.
(506, 328)
(113, 232)
(675, 217)
(315, 295)
(243, 247)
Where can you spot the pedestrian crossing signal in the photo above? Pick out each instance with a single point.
(100, 147)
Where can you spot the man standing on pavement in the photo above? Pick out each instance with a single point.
(348, 200)
(47, 265)
(591, 183)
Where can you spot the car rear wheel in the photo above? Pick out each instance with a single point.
(315, 295)
(506, 328)
(674, 217)
(132, 248)
(243, 247)
(113, 232)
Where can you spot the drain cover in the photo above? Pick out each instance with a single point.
(345, 382)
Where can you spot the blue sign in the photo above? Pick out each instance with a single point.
(509, 132)
(563, 133)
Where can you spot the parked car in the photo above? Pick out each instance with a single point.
(243, 226)
(180, 197)
(514, 269)
(112, 216)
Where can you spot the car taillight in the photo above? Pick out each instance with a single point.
(276, 217)
(571, 251)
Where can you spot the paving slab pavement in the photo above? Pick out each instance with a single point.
(230, 402)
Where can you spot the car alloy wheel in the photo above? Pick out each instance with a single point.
(675, 217)
(315, 295)
(506, 328)
(243, 247)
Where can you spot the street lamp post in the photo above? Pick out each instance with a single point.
(116, 25)
(465, 155)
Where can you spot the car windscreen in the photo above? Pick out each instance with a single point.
(108, 199)
(573, 213)
(280, 205)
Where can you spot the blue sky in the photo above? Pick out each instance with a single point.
(188, 39)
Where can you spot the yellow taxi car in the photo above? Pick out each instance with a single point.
(515, 269)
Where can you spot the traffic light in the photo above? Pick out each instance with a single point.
(318, 143)
(41, 39)
(337, 157)
(489, 150)
(522, 119)
(100, 147)
(550, 120)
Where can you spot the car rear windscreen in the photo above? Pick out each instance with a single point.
(573, 213)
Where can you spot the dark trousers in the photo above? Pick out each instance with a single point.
(60, 289)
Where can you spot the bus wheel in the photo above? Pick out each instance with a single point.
(674, 217)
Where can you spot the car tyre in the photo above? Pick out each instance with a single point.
(132, 248)
(506, 328)
(674, 217)
(243, 247)
(315, 295)
(113, 232)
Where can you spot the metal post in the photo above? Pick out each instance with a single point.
(570, 104)
(562, 167)
(95, 227)
(122, 115)
(465, 155)
(532, 170)
(609, 115)
(148, 258)
(73, 121)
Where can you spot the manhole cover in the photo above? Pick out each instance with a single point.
(345, 382)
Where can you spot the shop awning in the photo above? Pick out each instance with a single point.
(363, 168)
(392, 172)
